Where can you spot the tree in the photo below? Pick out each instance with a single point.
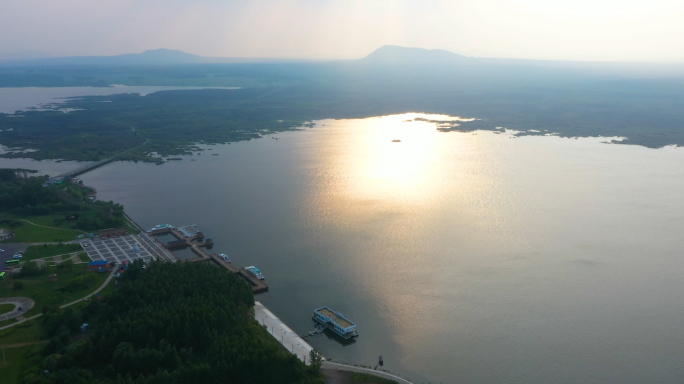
(30, 268)
(66, 265)
(316, 360)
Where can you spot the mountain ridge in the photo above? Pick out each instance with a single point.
(395, 54)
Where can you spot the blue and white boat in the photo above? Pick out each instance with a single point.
(161, 226)
(255, 271)
(336, 322)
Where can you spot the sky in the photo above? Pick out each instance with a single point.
(583, 30)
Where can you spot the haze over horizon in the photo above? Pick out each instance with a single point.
(602, 30)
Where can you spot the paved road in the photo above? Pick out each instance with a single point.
(155, 247)
(351, 368)
(281, 332)
(24, 302)
(45, 226)
(111, 275)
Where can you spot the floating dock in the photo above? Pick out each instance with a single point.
(335, 321)
(186, 237)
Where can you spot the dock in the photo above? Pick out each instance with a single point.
(188, 236)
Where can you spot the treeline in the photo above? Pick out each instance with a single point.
(28, 197)
(169, 323)
(18, 193)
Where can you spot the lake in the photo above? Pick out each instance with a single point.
(463, 257)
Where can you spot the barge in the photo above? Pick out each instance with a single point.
(336, 322)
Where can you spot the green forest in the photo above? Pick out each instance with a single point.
(65, 205)
(280, 96)
(197, 330)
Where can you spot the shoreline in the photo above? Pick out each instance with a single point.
(282, 333)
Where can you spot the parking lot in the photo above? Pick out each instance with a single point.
(9, 249)
(120, 248)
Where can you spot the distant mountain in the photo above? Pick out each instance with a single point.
(152, 57)
(156, 56)
(403, 55)
(23, 55)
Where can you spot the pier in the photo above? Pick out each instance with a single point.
(188, 235)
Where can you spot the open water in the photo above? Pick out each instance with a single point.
(463, 257)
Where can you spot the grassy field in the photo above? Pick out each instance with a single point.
(16, 358)
(45, 292)
(30, 233)
(4, 308)
(26, 332)
(41, 251)
(7, 322)
(30, 332)
(84, 257)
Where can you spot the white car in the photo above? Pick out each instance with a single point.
(16, 256)
(2, 250)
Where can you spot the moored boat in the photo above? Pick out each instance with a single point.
(255, 271)
(336, 322)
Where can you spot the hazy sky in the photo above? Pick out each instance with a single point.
(621, 30)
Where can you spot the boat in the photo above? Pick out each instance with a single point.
(336, 322)
(255, 271)
(161, 226)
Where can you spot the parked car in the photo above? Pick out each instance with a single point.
(2, 250)
(17, 256)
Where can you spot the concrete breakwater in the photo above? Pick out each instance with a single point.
(281, 332)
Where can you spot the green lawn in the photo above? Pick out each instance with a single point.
(41, 251)
(45, 292)
(7, 322)
(26, 332)
(30, 331)
(16, 359)
(84, 257)
(28, 233)
(4, 308)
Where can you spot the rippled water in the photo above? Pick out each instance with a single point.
(462, 257)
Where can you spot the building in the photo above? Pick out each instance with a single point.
(176, 244)
(98, 266)
(336, 322)
(111, 232)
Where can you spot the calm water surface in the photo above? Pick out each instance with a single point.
(463, 258)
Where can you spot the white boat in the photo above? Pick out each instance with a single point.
(255, 271)
(161, 226)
